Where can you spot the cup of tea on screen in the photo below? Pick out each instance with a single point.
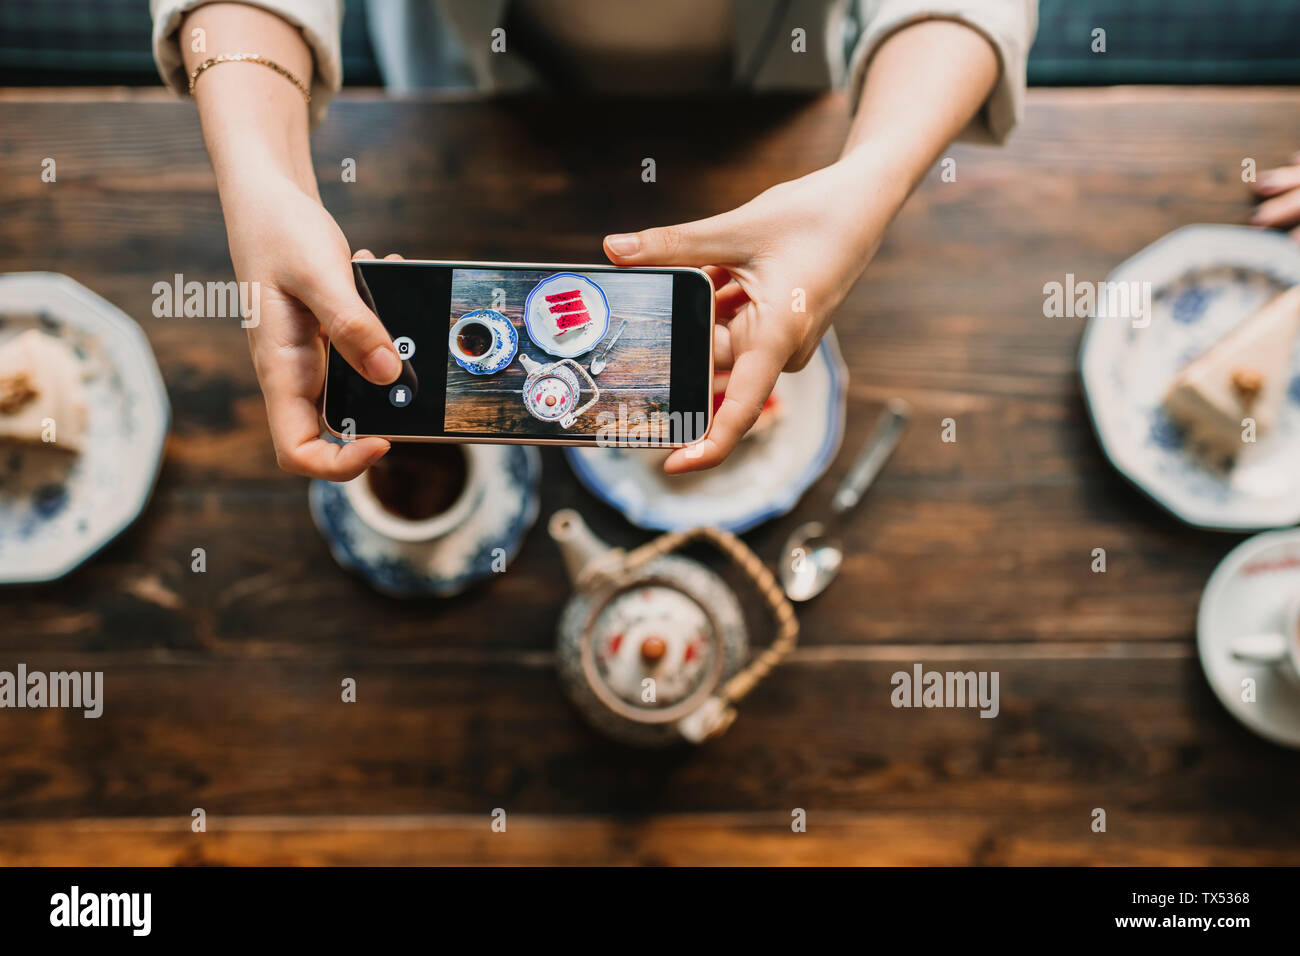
(480, 339)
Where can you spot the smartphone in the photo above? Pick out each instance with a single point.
(533, 354)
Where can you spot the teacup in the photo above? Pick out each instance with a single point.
(1276, 648)
(418, 492)
(482, 341)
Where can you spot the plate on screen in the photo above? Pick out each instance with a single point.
(566, 314)
(1203, 281)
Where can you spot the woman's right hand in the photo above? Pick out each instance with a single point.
(282, 238)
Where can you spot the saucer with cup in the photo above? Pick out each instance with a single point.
(483, 342)
(1248, 629)
(430, 518)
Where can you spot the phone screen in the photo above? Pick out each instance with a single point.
(576, 354)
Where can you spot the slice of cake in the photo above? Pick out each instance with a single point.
(572, 305)
(568, 311)
(570, 321)
(40, 384)
(1245, 376)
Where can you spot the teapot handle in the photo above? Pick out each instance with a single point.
(717, 714)
(591, 383)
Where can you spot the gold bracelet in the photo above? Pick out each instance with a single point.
(249, 58)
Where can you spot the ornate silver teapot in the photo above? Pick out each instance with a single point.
(552, 392)
(652, 646)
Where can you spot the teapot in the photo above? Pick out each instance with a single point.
(552, 391)
(652, 646)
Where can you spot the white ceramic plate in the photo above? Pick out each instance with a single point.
(57, 509)
(571, 344)
(1205, 279)
(1248, 594)
(764, 477)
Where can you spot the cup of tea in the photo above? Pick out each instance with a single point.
(1276, 648)
(483, 341)
(419, 491)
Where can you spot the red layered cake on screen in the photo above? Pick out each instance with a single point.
(567, 311)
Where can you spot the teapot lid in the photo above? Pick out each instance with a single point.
(550, 395)
(652, 651)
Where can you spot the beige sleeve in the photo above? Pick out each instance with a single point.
(319, 20)
(1008, 25)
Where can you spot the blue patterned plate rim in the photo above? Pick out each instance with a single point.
(122, 325)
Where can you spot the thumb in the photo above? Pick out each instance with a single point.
(718, 240)
(352, 328)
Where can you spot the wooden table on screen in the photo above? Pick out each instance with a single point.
(223, 688)
(634, 382)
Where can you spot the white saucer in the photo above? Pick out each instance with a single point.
(1205, 279)
(571, 344)
(764, 477)
(1247, 594)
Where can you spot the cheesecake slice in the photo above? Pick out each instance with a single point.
(41, 382)
(1245, 376)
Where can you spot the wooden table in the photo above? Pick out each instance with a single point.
(223, 687)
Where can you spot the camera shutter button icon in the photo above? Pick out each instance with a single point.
(400, 395)
(405, 346)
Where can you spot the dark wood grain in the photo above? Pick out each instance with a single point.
(223, 687)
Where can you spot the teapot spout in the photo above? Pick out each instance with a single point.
(581, 548)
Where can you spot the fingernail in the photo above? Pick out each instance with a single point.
(382, 365)
(624, 244)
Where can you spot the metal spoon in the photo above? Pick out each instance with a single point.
(598, 363)
(811, 559)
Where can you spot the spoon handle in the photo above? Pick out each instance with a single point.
(604, 353)
(884, 439)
